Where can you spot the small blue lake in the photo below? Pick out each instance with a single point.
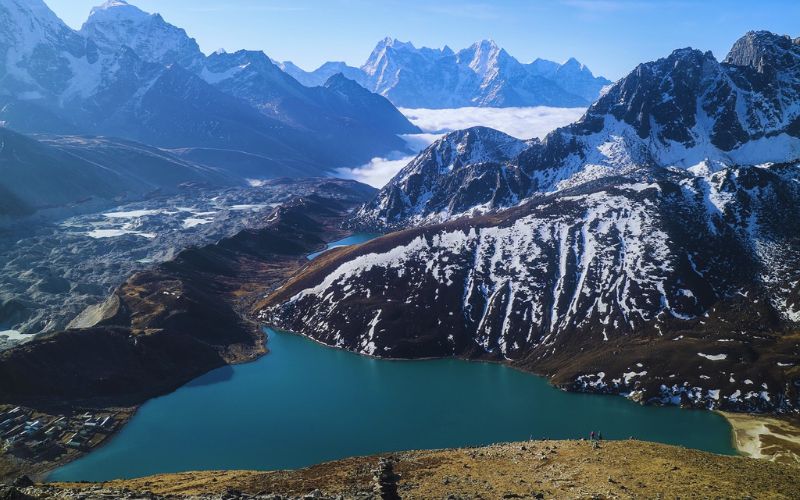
(350, 240)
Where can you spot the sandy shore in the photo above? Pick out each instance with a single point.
(766, 437)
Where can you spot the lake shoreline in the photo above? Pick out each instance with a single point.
(482, 359)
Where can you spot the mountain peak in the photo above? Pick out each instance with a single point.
(394, 43)
(486, 44)
(763, 51)
(116, 24)
(340, 82)
(118, 10)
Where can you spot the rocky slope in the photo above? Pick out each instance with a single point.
(133, 75)
(652, 249)
(480, 75)
(534, 469)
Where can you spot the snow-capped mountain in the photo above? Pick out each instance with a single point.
(131, 74)
(428, 187)
(42, 57)
(650, 249)
(116, 23)
(571, 76)
(480, 75)
(679, 111)
(321, 75)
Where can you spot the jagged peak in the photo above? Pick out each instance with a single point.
(763, 51)
(486, 44)
(394, 43)
(573, 63)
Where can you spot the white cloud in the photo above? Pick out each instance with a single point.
(378, 171)
(523, 123)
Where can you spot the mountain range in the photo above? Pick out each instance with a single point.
(649, 249)
(480, 75)
(130, 74)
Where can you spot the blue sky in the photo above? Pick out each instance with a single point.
(610, 36)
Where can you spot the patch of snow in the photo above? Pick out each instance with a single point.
(713, 357)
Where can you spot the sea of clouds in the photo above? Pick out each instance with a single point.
(523, 123)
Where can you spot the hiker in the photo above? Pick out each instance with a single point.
(599, 436)
(591, 436)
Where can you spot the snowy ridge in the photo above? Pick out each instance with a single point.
(480, 75)
(632, 258)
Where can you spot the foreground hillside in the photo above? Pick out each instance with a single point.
(537, 469)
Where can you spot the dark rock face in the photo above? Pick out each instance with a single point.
(652, 248)
(764, 52)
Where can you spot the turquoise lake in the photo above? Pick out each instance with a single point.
(305, 403)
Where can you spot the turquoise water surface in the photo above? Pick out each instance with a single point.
(305, 403)
(350, 240)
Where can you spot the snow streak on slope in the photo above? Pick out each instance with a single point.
(598, 255)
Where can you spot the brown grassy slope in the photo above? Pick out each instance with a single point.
(573, 469)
